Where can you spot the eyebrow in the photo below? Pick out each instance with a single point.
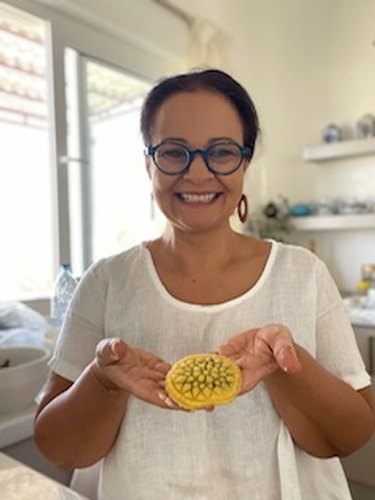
(210, 141)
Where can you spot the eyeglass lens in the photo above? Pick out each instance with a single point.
(221, 158)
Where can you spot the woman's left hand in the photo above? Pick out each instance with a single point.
(259, 352)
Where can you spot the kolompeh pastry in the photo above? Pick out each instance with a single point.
(203, 380)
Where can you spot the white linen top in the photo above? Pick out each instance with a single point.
(241, 450)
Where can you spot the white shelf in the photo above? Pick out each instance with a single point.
(344, 149)
(333, 222)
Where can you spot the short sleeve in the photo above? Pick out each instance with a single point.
(337, 349)
(83, 326)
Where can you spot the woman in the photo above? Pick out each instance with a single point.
(203, 287)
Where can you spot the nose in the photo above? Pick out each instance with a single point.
(198, 169)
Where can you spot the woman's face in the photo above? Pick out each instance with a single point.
(197, 200)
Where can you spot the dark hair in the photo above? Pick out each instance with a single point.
(210, 79)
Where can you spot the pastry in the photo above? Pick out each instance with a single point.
(203, 380)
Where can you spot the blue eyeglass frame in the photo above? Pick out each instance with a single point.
(151, 150)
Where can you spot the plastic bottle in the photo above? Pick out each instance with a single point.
(62, 294)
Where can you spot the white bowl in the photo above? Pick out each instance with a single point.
(21, 381)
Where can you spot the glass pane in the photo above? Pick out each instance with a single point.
(26, 249)
(119, 212)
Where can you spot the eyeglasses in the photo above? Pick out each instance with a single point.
(222, 158)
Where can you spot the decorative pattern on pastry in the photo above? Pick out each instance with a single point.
(203, 380)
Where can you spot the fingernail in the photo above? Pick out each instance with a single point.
(169, 402)
(162, 396)
(112, 346)
(274, 329)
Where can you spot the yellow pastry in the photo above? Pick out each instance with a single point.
(203, 380)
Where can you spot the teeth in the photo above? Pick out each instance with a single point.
(197, 198)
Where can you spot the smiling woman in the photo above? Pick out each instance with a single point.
(234, 314)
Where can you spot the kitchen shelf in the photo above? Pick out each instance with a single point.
(333, 222)
(343, 149)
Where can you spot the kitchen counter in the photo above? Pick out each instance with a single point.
(17, 481)
(15, 427)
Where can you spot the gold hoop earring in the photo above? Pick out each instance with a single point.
(242, 209)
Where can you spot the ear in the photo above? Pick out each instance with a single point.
(246, 165)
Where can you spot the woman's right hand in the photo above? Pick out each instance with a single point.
(119, 367)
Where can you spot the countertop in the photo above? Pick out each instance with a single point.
(17, 481)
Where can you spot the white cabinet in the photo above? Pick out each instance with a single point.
(359, 466)
(365, 336)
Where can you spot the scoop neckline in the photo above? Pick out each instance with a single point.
(208, 307)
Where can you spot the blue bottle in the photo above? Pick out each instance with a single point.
(62, 294)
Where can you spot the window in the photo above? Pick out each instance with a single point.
(26, 249)
(112, 194)
(73, 186)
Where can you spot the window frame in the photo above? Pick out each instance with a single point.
(64, 31)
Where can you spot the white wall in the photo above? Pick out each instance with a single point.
(306, 63)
